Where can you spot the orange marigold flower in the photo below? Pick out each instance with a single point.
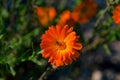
(84, 11)
(60, 45)
(45, 15)
(116, 14)
(66, 18)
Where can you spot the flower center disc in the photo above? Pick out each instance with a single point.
(61, 45)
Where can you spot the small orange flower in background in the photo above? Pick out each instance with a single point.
(45, 15)
(66, 18)
(60, 45)
(116, 14)
(84, 11)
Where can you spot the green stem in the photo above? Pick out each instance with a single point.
(46, 73)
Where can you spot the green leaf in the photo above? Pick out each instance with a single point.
(107, 50)
(2, 79)
(2, 58)
(1, 36)
(4, 13)
(111, 36)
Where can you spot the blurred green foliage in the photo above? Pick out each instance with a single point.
(19, 35)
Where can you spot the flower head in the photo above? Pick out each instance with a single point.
(116, 14)
(60, 45)
(66, 18)
(84, 11)
(45, 15)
